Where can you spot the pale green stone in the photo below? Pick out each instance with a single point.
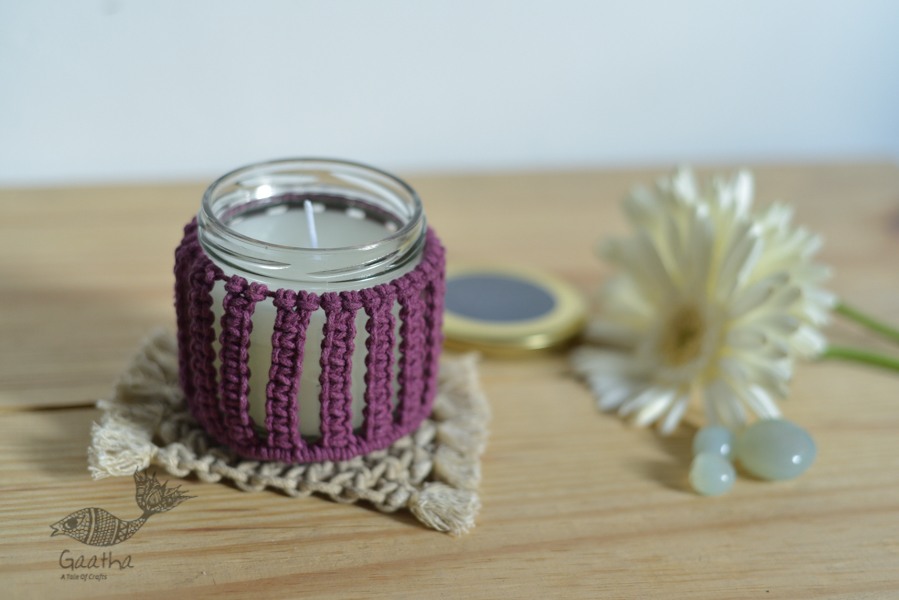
(714, 440)
(775, 449)
(711, 474)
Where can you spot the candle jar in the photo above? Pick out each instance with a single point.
(309, 297)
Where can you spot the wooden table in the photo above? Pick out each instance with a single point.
(575, 504)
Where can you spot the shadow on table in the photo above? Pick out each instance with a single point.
(55, 441)
(672, 472)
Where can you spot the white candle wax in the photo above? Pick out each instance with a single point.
(286, 225)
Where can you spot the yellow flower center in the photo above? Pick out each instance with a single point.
(682, 338)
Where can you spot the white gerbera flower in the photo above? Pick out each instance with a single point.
(711, 300)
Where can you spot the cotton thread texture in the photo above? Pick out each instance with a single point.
(218, 397)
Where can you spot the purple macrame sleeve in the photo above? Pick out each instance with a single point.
(219, 400)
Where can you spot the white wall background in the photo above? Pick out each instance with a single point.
(109, 90)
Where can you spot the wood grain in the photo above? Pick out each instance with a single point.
(576, 505)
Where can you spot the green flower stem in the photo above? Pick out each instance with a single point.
(861, 356)
(853, 314)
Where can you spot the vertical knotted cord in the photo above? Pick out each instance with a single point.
(201, 352)
(336, 368)
(288, 344)
(379, 361)
(238, 305)
(433, 304)
(412, 333)
(184, 256)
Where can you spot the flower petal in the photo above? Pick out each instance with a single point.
(675, 414)
(760, 402)
(725, 403)
(753, 296)
(809, 342)
(655, 408)
(640, 400)
(744, 189)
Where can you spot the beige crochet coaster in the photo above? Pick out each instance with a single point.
(434, 472)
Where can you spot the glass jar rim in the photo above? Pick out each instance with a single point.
(210, 217)
(373, 190)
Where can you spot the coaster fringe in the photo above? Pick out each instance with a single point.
(118, 449)
(444, 508)
(456, 469)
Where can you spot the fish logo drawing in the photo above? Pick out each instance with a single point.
(97, 527)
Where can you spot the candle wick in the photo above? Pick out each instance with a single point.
(310, 223)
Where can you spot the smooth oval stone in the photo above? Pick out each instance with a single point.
(711, 474)
(714, 440)
(775, 449)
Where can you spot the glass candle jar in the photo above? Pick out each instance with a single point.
(316, 290)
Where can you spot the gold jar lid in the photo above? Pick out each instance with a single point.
(509, 310)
